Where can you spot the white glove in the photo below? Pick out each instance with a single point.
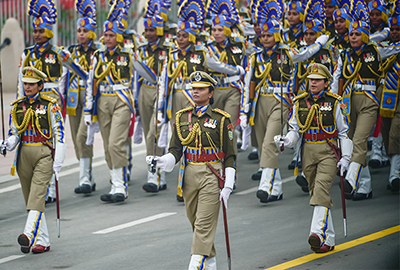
(322, 39)
(243, 121)
(88, 119)
(241, 70)
(160, 119)
(224, 195)
(57, 168)
(228, 186)
(343, 164)
(166, 162)
(282, 140)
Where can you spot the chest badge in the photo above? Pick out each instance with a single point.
(195, 59)
(41, 110)
(50, 59)
(210, 123)
(236, 50)
(281, 59)
(121, 61)
(369, 57)
(326, 106)
(128, 44)
(325, 59)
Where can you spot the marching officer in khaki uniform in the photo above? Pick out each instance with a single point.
(35, 121)
(317, 120)
(267, 84)
(154, 54)
(50, 59)
(76, 87)
(356, 76)
(313, 28)
(230, 50)
(202, 137)
(109, 100)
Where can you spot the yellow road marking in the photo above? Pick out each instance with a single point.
(341, 247)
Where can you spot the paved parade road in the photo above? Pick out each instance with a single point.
(151, 231)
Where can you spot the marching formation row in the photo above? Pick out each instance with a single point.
(221, 78)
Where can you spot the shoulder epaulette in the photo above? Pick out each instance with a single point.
(185, 110)
(334, 95)
(56, 49)
(100, 46)
(200, 47)
(48, 98)
(18, 100)
(227, 115)
(127, 50)
(131, 32)
(300, 96)
(328, 46)
(169, 44)
(239, 39)
(284, 46)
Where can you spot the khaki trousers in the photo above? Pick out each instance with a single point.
(146, 101)
(114, 120)
(201, 197)
(363, 118)
(79, 130)
(319, 166)
(267, 124)
(35, 169)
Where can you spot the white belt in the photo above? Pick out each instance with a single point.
(82, 83)
(182, 86)
(364, 87)
(275, 90)
(226, 80)
(50, 85)
(110, 88)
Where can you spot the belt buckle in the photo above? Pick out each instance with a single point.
(220, 80)
(109, 88)
(31, 138)
(314, 136)
(358, 87)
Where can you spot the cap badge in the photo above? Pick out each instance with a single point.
(197, 77)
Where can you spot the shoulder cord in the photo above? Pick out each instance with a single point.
(314, 110)
(29, 115)
(174, 75)
(195, 132)
(110, 67)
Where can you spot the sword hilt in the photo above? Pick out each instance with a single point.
(3, 151)
(153, 167)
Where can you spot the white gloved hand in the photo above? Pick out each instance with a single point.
(241, 70)
(243, 121)
(166, 162)
(281, 140)
(57, 168)
(224, 195)
(343, 164)
(160, 119)
(322, 39)
(88, 119)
